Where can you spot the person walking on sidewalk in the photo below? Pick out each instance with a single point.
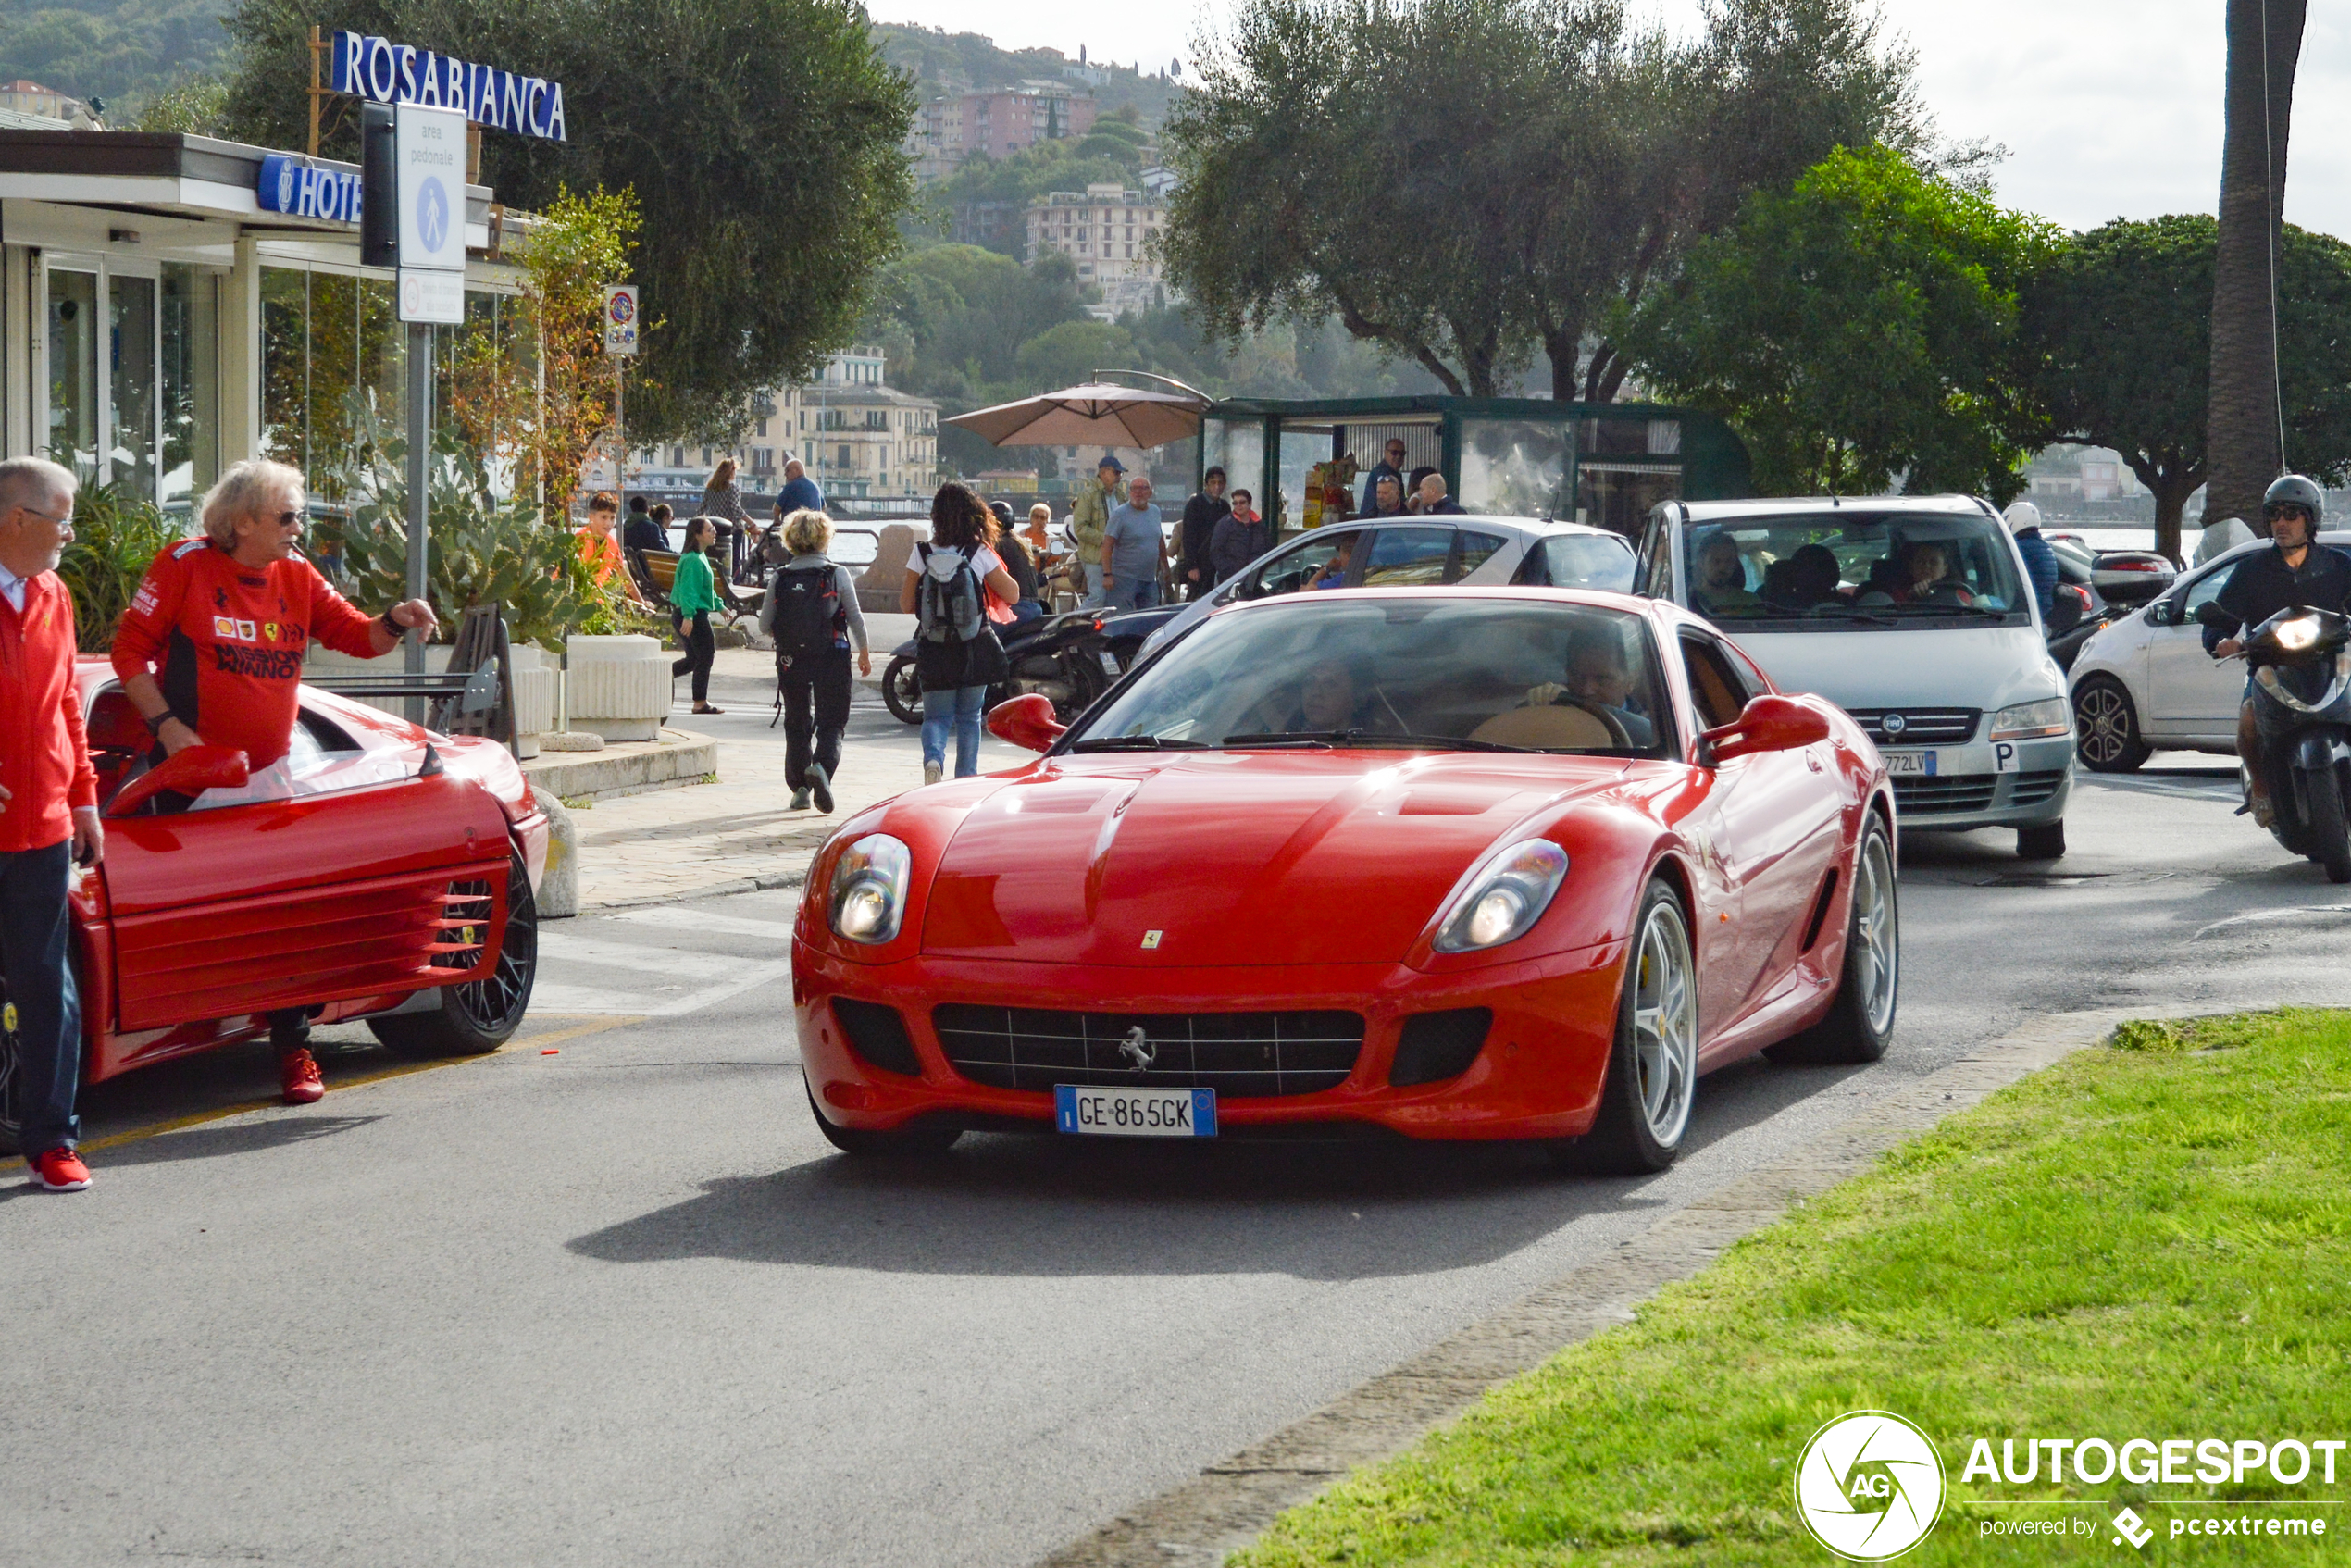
(813, 614)
(1134, 552)
(210, 653)
(1089, 512)
(692, 594)
(957, 653)
(48, 814)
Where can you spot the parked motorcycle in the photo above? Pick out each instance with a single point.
(2301, 661)
(1062, 658)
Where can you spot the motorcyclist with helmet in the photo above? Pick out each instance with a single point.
(2296, 571)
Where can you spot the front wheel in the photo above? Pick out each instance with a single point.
(903, 689)
(2043, 843)
(1652, 1068)
(2105, 726)
(1860, 1020)
(916, 1142)
(479, 1016)
(2330, 838)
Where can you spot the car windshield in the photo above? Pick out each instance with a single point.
(1490, 674)
(1815, 572)
(1579, 560)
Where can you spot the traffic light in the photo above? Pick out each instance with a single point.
(378, 188)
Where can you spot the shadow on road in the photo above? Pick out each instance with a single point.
(215, 1142)
(1052, 1207)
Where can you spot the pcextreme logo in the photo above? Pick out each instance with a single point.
(1869, 1486)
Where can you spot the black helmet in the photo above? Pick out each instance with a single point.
(2293, 489)
(1004, 511)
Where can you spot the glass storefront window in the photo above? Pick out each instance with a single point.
(285, 366)
(130, 361)
(1514, 468)
(191, 380)
(1238, 447)
(1303, 447)
(1619, 495)
(73, 371)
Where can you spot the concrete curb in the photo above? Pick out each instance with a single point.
(680, 758)
(1230, 1503)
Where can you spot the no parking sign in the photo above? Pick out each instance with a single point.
(620, 318)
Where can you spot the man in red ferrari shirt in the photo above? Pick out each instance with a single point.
(211, 651)
(48, 814)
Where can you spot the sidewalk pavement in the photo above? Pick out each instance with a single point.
(738, 834)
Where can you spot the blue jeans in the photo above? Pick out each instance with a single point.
(1092, 598)
(959, 708)
(1136, 594)
(1027, 610)
(36, 941)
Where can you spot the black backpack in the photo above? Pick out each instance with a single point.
(808, 613)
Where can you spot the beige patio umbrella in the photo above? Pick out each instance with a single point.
(1096, 413)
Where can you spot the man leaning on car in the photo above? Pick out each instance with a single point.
(48, 814)
(223, 619)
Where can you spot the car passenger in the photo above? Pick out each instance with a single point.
(1722, 586)
(1333, 697)
(210, 652)
(1598, 676)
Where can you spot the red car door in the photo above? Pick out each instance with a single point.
(245, 908)
(1777, 818)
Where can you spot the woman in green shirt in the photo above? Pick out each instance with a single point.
(693, 594)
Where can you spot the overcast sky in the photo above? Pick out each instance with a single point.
(2108, 107)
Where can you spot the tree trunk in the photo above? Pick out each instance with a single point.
(2243, 442)
(2171, 482)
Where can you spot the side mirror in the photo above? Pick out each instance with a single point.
(1772, 723)
(189, 771)
(1028, 722)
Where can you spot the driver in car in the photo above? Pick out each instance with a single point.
(1931, 578)
(1722, 585)
(2297, 569)
(1600, 677)
(223, 619)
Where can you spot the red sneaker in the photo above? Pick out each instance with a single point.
(298, 1079)
(60, 1170)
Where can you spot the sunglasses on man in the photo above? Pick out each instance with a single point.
(2284, 510)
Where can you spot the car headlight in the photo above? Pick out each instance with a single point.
(2051, 715)
(868, 896)
(1502, 903)
(2297, 634)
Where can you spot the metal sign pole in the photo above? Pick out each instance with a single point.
(419, 376)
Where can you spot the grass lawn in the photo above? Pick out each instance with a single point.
(2145, 1240)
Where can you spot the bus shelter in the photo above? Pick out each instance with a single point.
(1599, 463)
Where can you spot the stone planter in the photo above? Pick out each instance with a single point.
(618, 686)
(323, 661)
(536, 683)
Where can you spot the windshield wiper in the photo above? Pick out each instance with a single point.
(1137, 743)
(1957, 610)
(1366, 737)
(1844, 613)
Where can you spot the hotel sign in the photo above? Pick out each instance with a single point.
(385, 72)
(290, 184)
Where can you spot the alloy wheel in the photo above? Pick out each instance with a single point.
(1665, 1024)
(2106, 725)
(1875, 934)
(495, 1005)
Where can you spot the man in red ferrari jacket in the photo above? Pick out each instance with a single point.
(48, 814)
(211, 651)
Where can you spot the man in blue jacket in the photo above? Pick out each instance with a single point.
(2023, 519)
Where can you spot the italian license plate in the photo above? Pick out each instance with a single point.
(1135, 1113)
(1910, 765)
(1110, 662)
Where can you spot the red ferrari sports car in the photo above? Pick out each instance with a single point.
(1505, 863)
(382, 872)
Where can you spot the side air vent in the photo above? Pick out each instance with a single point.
(878, 1035)
(1437, 1046)
(1820, 910)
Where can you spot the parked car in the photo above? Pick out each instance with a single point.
(1516, 863)
(1403, 553)
(2145, 683)
(1951, 678)
(388, 875)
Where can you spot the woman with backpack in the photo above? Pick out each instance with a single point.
(813, 614)
(693, 592)
(957, 654)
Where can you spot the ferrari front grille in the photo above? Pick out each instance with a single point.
(1241, 1054)
(1918, 726)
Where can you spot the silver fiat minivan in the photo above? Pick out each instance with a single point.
(1911, 613)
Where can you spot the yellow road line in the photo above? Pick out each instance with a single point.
(406, 1069)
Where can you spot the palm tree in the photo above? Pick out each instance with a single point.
(2265, 41)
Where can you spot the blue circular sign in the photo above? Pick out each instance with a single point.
(433, 213)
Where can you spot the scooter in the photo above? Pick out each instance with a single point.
(2301, 661)
(1062, 658)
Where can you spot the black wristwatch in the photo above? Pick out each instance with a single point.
(155, 725)
(393, 627)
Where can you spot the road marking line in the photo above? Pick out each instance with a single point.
(405, 1070)
(699, 920)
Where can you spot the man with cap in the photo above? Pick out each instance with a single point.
(2023, 519)
(1089, 513)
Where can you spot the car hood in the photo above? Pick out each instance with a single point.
(1231, 857)
(1985, 668)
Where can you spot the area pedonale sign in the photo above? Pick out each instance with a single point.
(384, 72)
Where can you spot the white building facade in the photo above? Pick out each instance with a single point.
(860, 439)
(1106, 231)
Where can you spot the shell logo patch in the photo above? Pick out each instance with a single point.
(223, 626)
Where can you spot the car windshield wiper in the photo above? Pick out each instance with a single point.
(1137, 743)
(1844, 613)
(1368, 737)
(1957, 610)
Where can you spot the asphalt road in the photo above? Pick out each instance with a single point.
(620, 1304)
